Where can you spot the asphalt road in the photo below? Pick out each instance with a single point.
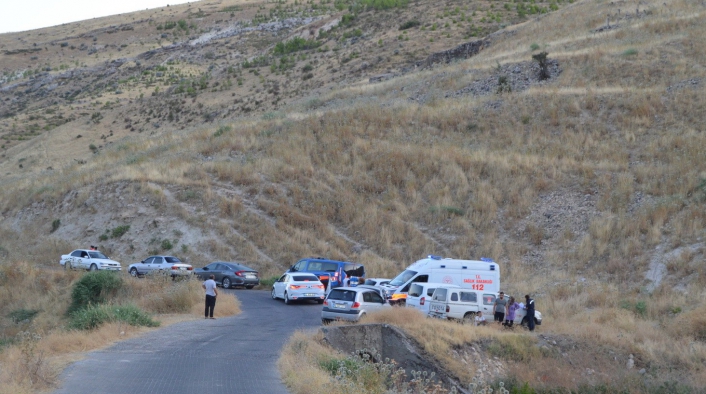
(228, 355)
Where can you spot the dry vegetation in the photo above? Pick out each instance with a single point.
(589, 189)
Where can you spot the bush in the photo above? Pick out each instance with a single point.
(409, 24)
(95, 315)
(55, 225)
(294, 45)
(269, 282)
(384, 4)
(120, 231)
(94, 288)
(20, 315)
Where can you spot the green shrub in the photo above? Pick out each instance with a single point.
(120, 231)
(95, 315)
(20, 315)
(451, 210)
(269, 282)
(384, 4)
(534, 46)
(294, 45)
(167, 244)
(409, 24)
(630, 52)
(55, 225)
(221, 130)
(94, 288)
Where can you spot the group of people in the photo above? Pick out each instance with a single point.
(504, 312)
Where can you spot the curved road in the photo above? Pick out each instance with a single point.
(228, 355)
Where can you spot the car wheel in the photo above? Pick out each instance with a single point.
(274, 297)
(468, 318)
(286, 299)
(67, 266)
(524, 323)
(226, 283)
(93, 267)
(249, 287)
(133, 272)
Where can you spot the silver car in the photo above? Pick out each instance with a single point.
(351, 303)
(293, 286)
(167, 264)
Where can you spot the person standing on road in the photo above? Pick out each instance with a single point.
(529, 306)
(499, 308)
(211, 294)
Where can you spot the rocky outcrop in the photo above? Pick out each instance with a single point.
(462, 51)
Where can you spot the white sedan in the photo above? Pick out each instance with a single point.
(91, 260)
(295, 286)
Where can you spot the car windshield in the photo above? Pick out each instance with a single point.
(342, 295)
(172, 260)
(403, 278)
(97, 255)
(305, 278)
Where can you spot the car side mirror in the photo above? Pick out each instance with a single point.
(205, 268)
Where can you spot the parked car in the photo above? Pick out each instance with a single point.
(419, 295)
(299, 287)
(351, 303)
(331, 272)
(376, 281)
(168, 264)
(229, 274)
(91, 260)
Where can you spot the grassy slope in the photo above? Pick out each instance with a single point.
(578, 187)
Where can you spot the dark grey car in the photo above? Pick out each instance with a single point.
(230, 274)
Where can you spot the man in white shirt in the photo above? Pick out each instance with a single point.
(211, 294)
(480, 319)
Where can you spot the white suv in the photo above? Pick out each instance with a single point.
(419, 295)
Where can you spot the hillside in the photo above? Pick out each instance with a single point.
(264, 132)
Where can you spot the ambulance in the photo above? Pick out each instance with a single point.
(481, 275)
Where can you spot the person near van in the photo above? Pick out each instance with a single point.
(480, 319)
(499, 308)
(512, 308)
(529, 307)
(211, 294)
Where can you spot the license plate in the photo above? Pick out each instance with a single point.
(250, 276)
(436, 308)
(340, 306)
(309, 295)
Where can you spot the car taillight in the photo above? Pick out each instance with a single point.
(399, 296)
(319, 286)
(355, 305)
(295, 287)
(448, 309)
(174, 267)
(239, 273)
(421, 301)
(326, 302)
(323, 277)
(189, 268)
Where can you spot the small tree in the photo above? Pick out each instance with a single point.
(541, 58)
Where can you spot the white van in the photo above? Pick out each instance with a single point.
(480, 275)
(458, 303)
(419, 295)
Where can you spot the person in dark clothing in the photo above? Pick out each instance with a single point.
(529, 306)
